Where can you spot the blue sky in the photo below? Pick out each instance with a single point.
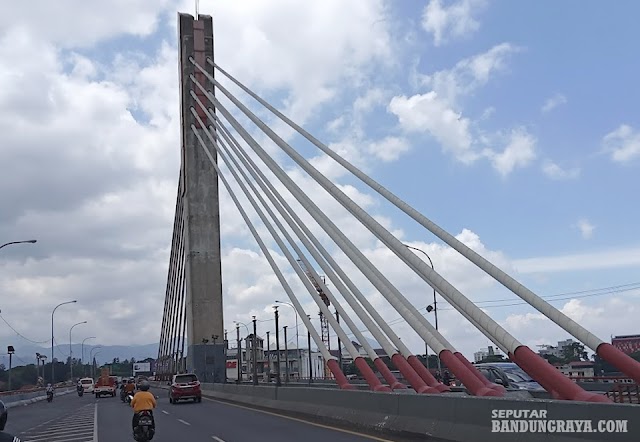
(501, 118)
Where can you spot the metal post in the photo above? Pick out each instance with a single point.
(310, 364)
(205, 341)
(239, 355)
(53, 376)
(10, 361)
(435, 307)
(268, 358)
(278, 381)
(71, 351)
(286, 355)
(339, 344)
(254, 352)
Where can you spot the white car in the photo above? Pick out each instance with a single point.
(87, 384)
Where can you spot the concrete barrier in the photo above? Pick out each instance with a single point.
(20, 399)
(446, 417)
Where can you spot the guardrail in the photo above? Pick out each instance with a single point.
(444, 417)
(625, 394)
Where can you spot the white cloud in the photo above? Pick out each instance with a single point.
(599, 260)
(99, 194)
(428, 113)
(454, 21)
(69, 23)
(469, 74)
(437, 112)
(555, 172)
(586, 228)
(519, 152)
(389, 148)
(554, 102)
(623, 143)
(534, 329)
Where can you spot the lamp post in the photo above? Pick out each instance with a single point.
(238, 323)
(10, 351)
(297, 335)
(91, 356)
(92, 372)
(429, 308)
(278, 382)
(53, 378)
(254, 351)
(71, 350)
(83, 362)
(239, 354)
(28, 241)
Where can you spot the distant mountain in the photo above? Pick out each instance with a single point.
(26, 354)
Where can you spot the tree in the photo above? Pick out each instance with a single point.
(574, 352)
(493, 358)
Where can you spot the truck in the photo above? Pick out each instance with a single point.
(105, 385)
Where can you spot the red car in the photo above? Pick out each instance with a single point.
(185, 386)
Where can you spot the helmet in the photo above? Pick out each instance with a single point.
(144, 385)
(3, 416)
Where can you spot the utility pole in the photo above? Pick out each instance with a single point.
(268, 358)
(254, 352)
(309, 345)
(286, 355)
(239, 356)
(339, 344)
(278, 381)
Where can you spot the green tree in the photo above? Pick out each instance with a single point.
(574, 352)
(493, 358)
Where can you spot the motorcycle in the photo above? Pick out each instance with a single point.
(129, 398)
(80, 391)
(49, 396)
(146, 428)
(123, 395)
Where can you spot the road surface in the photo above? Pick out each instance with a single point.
(86, 419)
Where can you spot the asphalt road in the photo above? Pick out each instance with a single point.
(71, 418)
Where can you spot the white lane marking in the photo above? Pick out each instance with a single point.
(217, 438)
(95, 423)
(184, 422)
(165, 412)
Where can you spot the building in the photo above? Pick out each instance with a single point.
(577, 369)
(558, 351)
(480, 355)
(627, 343)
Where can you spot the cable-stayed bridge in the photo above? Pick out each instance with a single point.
(218, 127)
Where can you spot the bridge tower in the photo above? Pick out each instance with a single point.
(193, 304)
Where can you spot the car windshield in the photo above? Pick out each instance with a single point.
(518, 375)
(186, 378)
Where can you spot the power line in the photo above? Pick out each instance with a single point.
(21, 335)
(609, 290)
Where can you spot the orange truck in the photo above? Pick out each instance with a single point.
(105, 385)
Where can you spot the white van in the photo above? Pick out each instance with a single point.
(87, 384)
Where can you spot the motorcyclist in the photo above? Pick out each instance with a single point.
(5, 437)
(130, 387)
(49, 388)
(143, 400)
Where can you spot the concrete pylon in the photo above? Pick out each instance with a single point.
(205, 329)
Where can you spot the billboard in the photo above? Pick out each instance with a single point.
(141, 367)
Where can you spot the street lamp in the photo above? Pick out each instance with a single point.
(297, 337)
(91, 356)
(83, 363)
(429, 308)
(10, 351)
(53, 380)
(28, 241)
(70, 349)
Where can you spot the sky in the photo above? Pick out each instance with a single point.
(511, 125)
